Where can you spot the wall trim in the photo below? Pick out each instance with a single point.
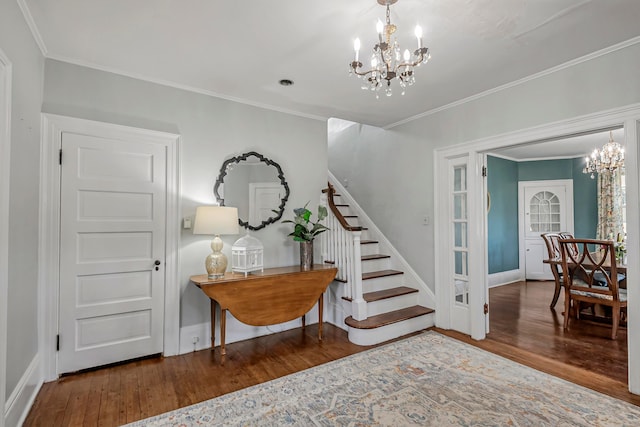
(5, 177)
(49, 233)
(26, 13)
(19, 403)
(236, 331)
(505, 278)
(409, 272)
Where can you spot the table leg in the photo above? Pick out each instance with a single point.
(320, 304)
(304, 320)
(213, 324)
(223, 326)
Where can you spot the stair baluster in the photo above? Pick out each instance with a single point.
(342, 243)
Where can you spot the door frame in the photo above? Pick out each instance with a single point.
(5, 176)
(49, 234)
(628, 117)
(568, 184)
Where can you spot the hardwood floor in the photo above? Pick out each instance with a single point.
(526, 330)
(523, 328)
(136, 390)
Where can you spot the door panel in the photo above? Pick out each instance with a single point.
(112, 230)
(459, 221)
(547, 206)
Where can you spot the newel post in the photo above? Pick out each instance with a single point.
(358, 304)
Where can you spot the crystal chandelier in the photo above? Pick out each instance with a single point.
(386, 62)
(609, 158)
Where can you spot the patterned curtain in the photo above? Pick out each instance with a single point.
(610, 203)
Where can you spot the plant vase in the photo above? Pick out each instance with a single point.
(306, 255)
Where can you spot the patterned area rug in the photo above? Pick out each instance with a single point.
(425, 380)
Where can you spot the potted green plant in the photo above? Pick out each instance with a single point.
(305, 231)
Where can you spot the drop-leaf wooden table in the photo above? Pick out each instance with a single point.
(275, 295)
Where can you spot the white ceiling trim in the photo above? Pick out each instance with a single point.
(546, 72)
(531, 159)
(32, 26)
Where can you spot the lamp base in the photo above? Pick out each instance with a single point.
(216, 262)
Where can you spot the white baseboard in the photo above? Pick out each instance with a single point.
(21, 399)
(235, 331)
(505, 277)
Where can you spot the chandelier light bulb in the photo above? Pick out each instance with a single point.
(379, 27)
(407, 55)
(609, 158)
(418, 33)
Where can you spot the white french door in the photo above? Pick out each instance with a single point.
(112, 250)
(545, 207)
(460, 283)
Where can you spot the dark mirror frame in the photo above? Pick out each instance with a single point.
(235, 160)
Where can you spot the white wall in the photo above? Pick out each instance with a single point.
(211, 130)
(27, 62)
(390, 172)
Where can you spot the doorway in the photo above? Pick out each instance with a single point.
(90, 290)
(629, 118)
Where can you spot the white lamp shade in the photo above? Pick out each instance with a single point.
(216, 220)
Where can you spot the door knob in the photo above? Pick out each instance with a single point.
(157, 263)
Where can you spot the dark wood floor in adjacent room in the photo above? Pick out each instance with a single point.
(523, 329)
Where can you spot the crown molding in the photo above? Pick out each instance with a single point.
(523, 80)
(32, 26)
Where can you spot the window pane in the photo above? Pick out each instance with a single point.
(460, 206)
(460, 234)
(461, 263)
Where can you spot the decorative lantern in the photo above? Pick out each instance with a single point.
(247, 255)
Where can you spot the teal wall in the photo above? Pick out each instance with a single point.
(585, 206)
(502, 220)
(545, 170)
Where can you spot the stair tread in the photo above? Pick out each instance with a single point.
(368, 242)
(388, 293)
(381, 273)
(374, 256)
(385, 294)
(388, 318)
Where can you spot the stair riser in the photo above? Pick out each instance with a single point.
(381, 283)
(388, 332)
(375, 265)
(391, 304)
(370, 249)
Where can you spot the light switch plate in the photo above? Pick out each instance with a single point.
(186, 223)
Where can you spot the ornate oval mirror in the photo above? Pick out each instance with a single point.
(256, 186)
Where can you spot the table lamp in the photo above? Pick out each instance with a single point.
(216, 220)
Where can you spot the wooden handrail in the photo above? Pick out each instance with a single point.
(343, 222)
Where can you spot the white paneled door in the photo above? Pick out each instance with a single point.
(545, 207)
(112, 250)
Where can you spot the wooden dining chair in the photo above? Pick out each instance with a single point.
(591, 277)
(552, 243)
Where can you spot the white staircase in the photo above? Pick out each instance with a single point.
(384, 296)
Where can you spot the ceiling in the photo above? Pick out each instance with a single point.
(560, 148)
(240, 49)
